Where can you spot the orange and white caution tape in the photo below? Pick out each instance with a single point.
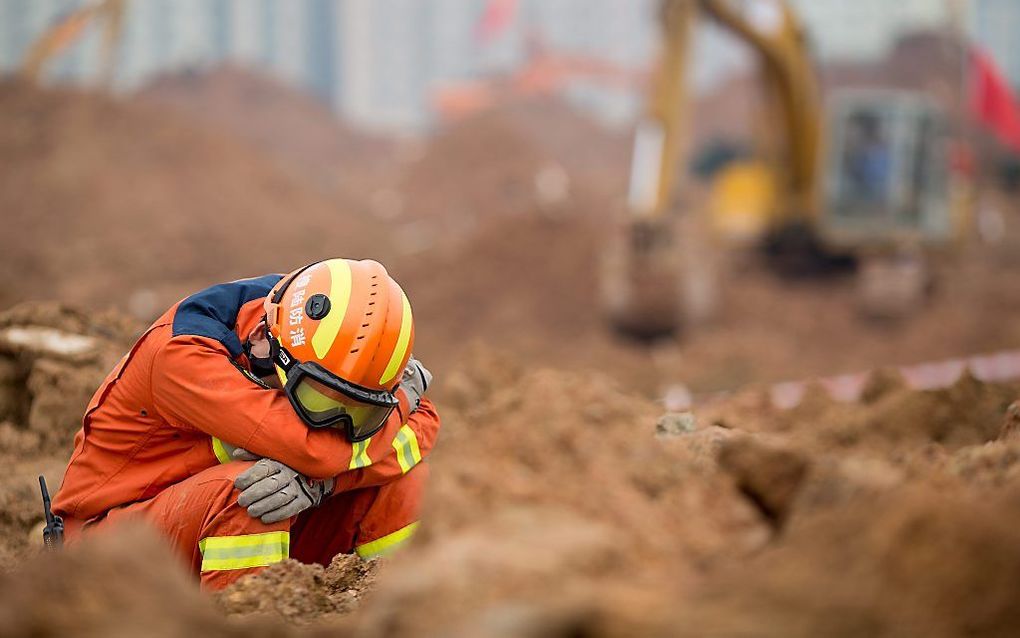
(1000, 366)
(995, 367)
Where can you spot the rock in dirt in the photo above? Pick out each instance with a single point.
(675, 424)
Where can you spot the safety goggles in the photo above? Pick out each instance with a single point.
(323, 399)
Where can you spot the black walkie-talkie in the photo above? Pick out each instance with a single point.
(53, 533)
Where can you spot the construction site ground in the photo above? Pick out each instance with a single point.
(565, 499)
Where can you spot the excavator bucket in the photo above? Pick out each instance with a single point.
(659, 278)
(641, 286)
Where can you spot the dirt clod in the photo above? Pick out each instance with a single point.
(300, 593)
(770, 476)
(1011, 424)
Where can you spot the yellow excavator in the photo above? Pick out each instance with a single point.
(861, 179)
(68, 29)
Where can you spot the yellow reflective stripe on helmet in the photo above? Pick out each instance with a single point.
(359, 456)
(220, 451)
(221, 553)
(339, 297)
(386, 544)
(403, 340)
(406, 446)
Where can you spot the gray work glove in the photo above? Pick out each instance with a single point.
(272, 492)
(415, 382)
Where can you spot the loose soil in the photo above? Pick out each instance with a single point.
(557, 506)
(556, 510)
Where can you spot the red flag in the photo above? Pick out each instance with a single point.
(992, 101)
(498, 15)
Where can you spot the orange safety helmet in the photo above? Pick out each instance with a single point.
(340, 334)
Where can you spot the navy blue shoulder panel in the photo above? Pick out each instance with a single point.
(213, 312)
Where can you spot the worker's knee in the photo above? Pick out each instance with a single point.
(219, 480)
(224, 471)
(224, 514)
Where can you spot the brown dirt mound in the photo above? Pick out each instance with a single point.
(967, 413)
(911, 562)
(52, 359)
(892, 419)
(299, 133)
(301, 593)
(554, 509)
(125, 584)
(525, 285)
(521, 159)
(123, 203)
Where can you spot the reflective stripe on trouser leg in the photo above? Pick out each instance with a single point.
(386, 544)
(221, 553)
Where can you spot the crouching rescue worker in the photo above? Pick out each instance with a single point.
(311, 373)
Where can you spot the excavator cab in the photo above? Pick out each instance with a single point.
(887, 194)
(887, 180)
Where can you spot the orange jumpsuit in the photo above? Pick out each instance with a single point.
(151, 445)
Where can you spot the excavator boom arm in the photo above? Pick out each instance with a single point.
(777, 36)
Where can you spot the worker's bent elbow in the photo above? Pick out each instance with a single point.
(322, 454)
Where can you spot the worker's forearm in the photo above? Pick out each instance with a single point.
(394, 455)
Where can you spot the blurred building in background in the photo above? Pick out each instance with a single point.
(996, 26)
(865, 30)
(379, 62)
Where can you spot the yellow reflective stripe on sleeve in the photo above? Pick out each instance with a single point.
(221, 553)
(406, 446)
(386, 544)
(359, 456)
(220, 451)
(403, 341)
(339, 297)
